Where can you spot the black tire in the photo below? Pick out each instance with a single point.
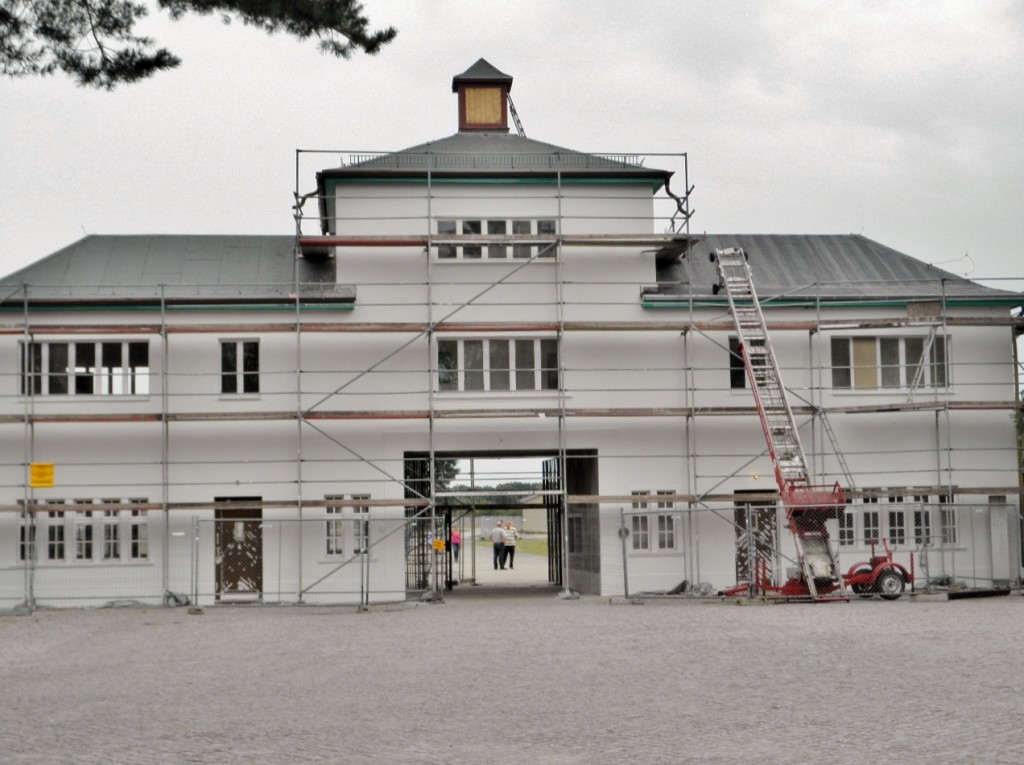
(864, 590)
(889, 584)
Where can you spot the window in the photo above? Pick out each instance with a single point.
(873, 363)
(497, 364)
(27, 546)
(355, 518)
(446, 228)
(640, 532)
(111, 532)
(655, 531)
(86, 536)
(947, 525)
(83, 532)
(471, 228)
(666, 522)
(737, 370)
(922, 526)
(522, 228)
(361, 537)
(640, 524)
(666, 532)
(846, 529)
(497, 228)
(872, 524)
(239, 366)
(115, 368)
(139, 532)
(897, 521)
(55, 535)
(27, 541)
(335, 529)
(897, 527)
(542, 243)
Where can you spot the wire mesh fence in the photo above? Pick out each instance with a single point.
(757, 549)
(378, 555)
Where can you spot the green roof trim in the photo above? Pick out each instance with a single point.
(331, 183)
(170, 307)
(994, 302)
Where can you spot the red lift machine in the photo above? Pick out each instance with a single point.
(808, 507)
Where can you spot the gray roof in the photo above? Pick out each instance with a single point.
(830, 267)
(481, 71)
(196, 269)
(261, 269)
(476, 153)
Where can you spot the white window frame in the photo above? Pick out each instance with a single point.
(243, 381)
(948, 529)
(872, 521)
(506, 229)
(847, 528)
(923, 526)
(334, 528)
(897, 526)
(896, 521)
(85, 368)
(519, 374)
(887, 364)
(85, 533)
(138, 532)
(347, 526)
(657, 531)
(361, 525)
(28, 532)
(56, 535)
(110, 550)
(665, 524)
(640, 524)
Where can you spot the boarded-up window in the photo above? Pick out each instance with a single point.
(865, 363)
(483, 106)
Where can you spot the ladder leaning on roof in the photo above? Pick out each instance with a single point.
(807, 507)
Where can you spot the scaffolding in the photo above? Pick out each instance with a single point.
(449, 319)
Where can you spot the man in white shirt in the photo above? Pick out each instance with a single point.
(498, 538)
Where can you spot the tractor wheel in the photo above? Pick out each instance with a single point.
(864, 590)
(889, 585)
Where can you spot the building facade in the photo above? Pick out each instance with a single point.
(233, 418)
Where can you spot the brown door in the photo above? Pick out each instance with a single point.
(238, 540)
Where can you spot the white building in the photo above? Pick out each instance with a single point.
(252, 417)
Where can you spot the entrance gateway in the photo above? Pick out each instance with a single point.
(238, 546)
(579, 549)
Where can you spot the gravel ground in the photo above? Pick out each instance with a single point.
(516, 675)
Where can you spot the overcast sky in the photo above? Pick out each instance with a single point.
(903, 121)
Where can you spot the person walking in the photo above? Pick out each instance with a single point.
(511, 534)
(498, 539)
(456, 539)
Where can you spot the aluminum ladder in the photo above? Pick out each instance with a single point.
(807, 507)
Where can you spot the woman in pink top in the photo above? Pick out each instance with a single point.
(456, 541)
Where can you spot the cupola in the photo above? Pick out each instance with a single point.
(483, 98)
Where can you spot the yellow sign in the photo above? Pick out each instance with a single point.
(439, 544)
(41, 474)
